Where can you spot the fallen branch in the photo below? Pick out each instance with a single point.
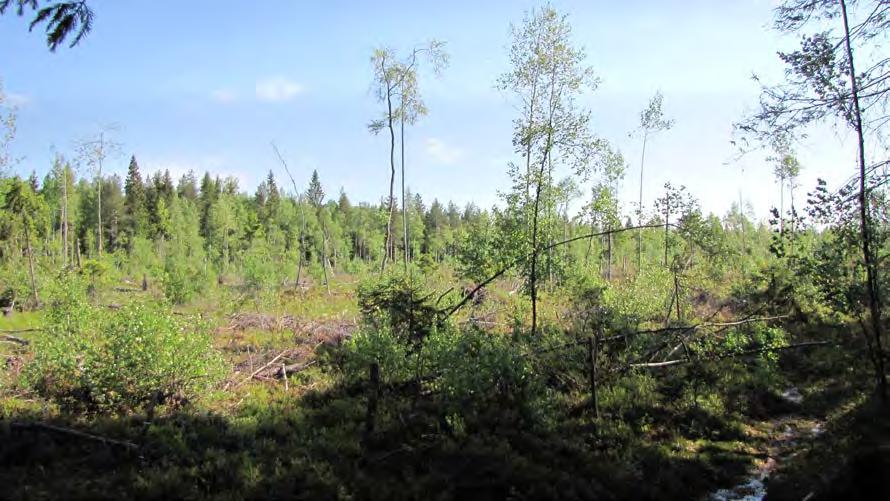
(74, 433)
(261, 369)
(289, 370)
(689, 328)
(724, 356)
(13, 339)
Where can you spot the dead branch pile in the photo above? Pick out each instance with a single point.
(331, 332)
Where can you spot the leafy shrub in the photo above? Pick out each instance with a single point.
(182, 280)
(129, 359)
(259, 267)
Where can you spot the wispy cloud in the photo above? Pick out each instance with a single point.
(277, 89)
(442, 153)
(224, 96)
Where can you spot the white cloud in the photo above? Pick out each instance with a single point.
(224, 96)
(277, 89)
(442, 153)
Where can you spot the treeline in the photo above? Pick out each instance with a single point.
(194, 227)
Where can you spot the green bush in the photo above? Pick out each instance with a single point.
(92, 360)
(399, 305)
(182, 280)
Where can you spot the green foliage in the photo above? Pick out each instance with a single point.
(378, 345)
(259, 267)
(125, 360)
(479, 371)
(398, 304)
(182, 280)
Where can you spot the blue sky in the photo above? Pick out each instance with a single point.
(206, 85)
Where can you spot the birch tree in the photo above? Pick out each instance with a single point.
(552, 131)
(652, 121)
(396, 86)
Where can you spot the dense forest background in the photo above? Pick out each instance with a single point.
(186, 338)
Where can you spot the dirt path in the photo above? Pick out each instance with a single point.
(788, 436)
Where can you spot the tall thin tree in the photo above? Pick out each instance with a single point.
(652, 121)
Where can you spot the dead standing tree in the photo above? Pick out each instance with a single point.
(299, 201)
(93, 152)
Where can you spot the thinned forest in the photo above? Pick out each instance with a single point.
(187, 338)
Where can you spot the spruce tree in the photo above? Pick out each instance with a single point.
(315, 193)
(135, 203)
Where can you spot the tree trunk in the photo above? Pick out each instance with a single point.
(533, 279)
(373, 395)
(65, 217)
(302, 241)
(609, 257)
(874, 302)
(324, 253)
(387, 238)
(99, 185)
(782, 207)
(404, 201)
(667, 218)
(640, 207)
(592, 349)
(31, 265)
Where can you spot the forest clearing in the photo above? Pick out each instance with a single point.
(188, 336)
